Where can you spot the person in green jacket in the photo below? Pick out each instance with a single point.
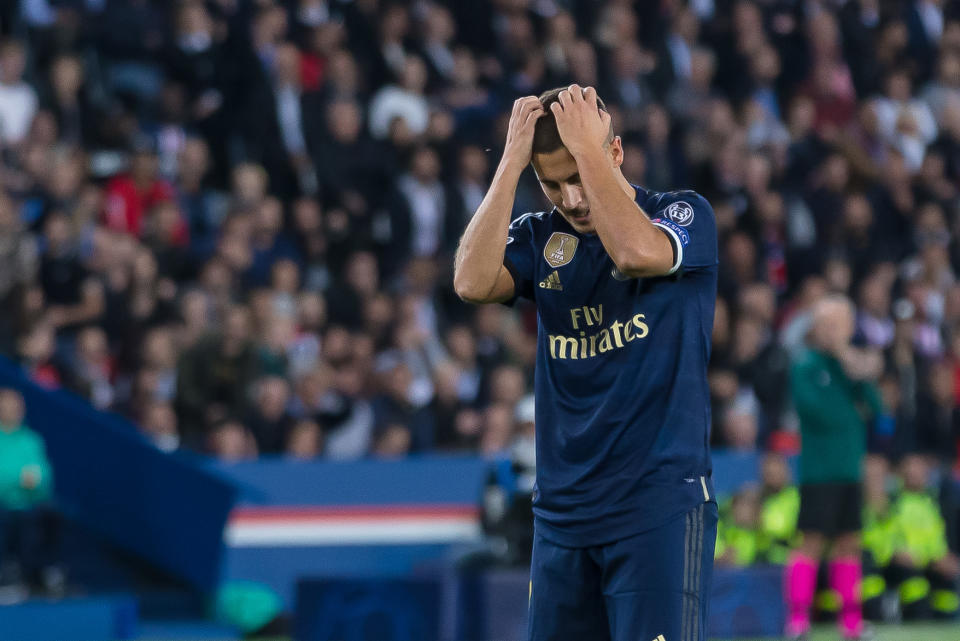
(26, 484)
(927, 571)
(835, 400)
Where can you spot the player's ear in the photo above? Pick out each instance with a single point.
(615, 149)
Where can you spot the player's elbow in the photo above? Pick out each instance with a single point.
(636, 264)
(468, 290)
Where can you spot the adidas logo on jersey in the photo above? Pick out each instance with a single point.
(552, 282)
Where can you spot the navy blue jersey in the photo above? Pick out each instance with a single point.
(622, 403)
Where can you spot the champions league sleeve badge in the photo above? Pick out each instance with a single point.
(680, 212)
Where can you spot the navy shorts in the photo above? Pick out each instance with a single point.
(647, 587)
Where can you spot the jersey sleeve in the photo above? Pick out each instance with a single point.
(518, 257)
(687, 220)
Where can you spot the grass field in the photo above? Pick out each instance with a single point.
(923, 632)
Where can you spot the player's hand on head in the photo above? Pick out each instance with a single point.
(523, 119)
(582, 125)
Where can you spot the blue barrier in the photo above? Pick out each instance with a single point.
(732, 469)
(167, 510)
(492, 606)
(429, 479)
(76, 619)
(368, 610)
(747, 602)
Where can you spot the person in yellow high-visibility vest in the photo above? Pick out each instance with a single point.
(928, 570)
(881, 539)
(738, 536)
(779, 508)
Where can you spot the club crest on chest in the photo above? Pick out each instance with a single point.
(560, 249)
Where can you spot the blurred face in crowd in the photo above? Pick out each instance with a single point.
(304, 441)
(249, 184)
(942, 385)
(740, 429)
(394, 442)
(414, 76)
(194, 20)
(11, 409)
(92, 345)
(915, 472)
(237, 325)
(748, 339)
(231, 442)
(775, 472)
(66, 76)
(344, 121)
(159, 418)
(57, 232)
(746, 508)
(12, 63)
(159, 349)
(286, 65)
(760, 301)
(507, 384)
(473, 164)
(425, 165)
(398, 380)
(857, 214)
(498, 428)
(194, 159)
(362, 273)
(875, 295)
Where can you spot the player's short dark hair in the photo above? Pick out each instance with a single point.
(546, 137)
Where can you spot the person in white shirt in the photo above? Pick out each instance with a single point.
(18, 100)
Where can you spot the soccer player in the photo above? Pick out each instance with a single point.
(625, 281)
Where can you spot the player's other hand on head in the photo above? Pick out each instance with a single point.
(523, 120)
(582, 126)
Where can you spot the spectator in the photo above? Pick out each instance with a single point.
(213, 378)
(18, 100)
(304, 440)
(159, 424)
(268, 421)
(230, 441)
(404, 101)
(738, 541)
(929, 571)
(26, 484)
(779, 509)
(395, 411)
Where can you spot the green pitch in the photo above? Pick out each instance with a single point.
(919, 632)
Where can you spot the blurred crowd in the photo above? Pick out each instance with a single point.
(233, 221)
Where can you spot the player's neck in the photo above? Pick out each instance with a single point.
(626, 185)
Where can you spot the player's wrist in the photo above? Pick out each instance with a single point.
(589, 153)
(512, 164)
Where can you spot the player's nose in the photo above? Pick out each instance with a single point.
(572, 196)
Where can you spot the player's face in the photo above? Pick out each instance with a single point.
(560, 181)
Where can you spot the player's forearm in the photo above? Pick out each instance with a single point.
(633, 243)
(480, 253)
